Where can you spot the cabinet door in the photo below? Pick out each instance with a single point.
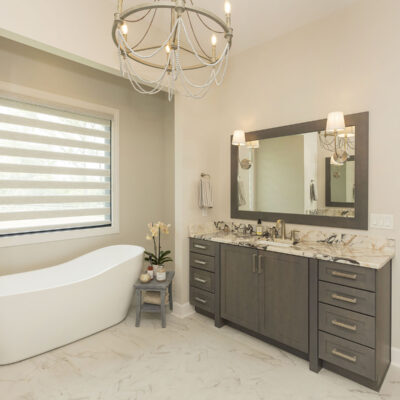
(284, 299)
(239, 286)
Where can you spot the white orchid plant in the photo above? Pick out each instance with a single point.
(159, 257)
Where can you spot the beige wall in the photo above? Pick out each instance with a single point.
(146, 154)
(349, 61)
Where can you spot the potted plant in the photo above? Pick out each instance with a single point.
(159, 257)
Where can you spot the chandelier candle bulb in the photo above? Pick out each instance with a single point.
(213, 48)
(228, 8)
(124, 28)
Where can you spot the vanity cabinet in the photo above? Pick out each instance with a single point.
(266, 293)
(205, 277)
(338, 316)
(354, 321)
(283, 299)
(240, 286)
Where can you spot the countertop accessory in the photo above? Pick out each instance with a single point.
(161, 274)
(158, 287)
(145, 278)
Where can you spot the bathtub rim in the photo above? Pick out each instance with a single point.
(140, 253)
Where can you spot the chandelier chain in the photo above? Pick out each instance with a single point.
(202, 21)
(147, 30)
(196, 38)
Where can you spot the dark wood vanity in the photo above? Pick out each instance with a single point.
(338, 316)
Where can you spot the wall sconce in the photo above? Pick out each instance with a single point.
(335, 122)
(254, 144)
(239, 138)
(336, 137)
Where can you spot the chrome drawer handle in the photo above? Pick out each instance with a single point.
(345, 326)
(344, 356)
(200, 280)
(343, 275)
(199, 246)
(352, 300)
(200, 300)
(200, 262)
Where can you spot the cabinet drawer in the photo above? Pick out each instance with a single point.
(202, 299)
(202, 279)
(349, 325)
(357, 277)
(346, 297)
(203, 247)
(202, 262)
(348, 355)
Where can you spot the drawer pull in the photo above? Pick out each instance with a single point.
(200, 280)
(344, 356)
(260, 264)
(344, 275)
(254, 263)
(345, 326)
(352, 300)
(201, 262)
(200, 300)
(200, 246)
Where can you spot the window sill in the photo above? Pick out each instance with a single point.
(46, 237)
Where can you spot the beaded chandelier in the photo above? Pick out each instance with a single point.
(179, 53)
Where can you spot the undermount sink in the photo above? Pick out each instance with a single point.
(274, 243)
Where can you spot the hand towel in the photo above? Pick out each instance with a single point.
(241, 193)
(205, 193)
(313, 192)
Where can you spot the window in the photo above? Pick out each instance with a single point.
(55, 169)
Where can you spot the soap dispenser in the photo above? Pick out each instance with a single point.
(259, 229)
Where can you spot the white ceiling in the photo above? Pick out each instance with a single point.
(257, 21)
(83, 28)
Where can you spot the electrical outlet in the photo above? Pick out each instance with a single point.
(382, 221)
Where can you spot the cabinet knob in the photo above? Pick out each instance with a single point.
(200, 280)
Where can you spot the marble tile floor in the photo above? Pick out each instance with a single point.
(190, 359)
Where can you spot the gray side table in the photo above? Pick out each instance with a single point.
(156, 287)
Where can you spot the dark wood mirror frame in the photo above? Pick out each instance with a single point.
(328, 187)
(360, 221)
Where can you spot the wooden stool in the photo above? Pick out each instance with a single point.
(154, 286)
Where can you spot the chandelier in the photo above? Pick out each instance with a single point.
(180, 55)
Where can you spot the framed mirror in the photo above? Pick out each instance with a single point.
(303, 174)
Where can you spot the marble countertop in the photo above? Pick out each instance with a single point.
(346, 248)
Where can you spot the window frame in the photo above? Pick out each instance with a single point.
(22, 93)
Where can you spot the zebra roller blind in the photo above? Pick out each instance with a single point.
(55, 169)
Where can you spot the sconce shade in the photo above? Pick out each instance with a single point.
(254, 144)
(239, 138)
(335, 122)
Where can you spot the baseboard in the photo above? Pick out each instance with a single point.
(183, 310)
(396, 356)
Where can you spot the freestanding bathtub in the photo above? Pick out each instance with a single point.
(44, 309)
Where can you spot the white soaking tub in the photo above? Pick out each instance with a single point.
(44, 309)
